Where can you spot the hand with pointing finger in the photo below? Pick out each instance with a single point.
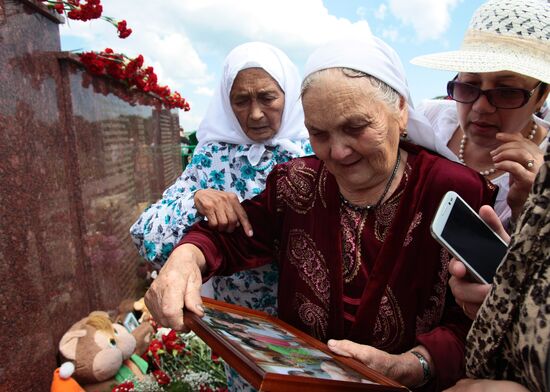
(223, 210)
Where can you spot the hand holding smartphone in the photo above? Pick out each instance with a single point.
(468, 238)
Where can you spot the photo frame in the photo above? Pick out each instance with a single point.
(274, 356)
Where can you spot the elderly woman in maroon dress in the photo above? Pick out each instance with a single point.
(348, 226)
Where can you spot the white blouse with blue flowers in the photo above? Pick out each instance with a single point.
(224, 167)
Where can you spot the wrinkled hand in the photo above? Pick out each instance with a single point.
(471, 385)
(470, 295)
(512, 156)
(177, 285)
(396, 367)
(223, 210)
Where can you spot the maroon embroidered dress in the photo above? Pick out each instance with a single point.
(376, 278)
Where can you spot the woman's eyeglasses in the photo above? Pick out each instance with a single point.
(500, 97)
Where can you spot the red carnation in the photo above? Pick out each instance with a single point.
(123, 31)
(59, 7)
(161, 377)
(93, 63)
(173, 342)
(154, 347)
(126, 386)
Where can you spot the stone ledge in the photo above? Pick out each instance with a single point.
(43, 10)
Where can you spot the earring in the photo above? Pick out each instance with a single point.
(404, 134)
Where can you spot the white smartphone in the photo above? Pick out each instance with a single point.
(468, 238)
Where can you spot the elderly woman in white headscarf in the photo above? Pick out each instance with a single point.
(349, 227)
(254, 121)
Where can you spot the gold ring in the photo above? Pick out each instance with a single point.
(464, 307)
(530, 163)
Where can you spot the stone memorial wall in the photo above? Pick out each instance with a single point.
(80, 158)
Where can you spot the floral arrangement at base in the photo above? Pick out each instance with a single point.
(179, 362)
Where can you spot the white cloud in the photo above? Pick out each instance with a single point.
(361, 12)
(223, 24)
(390, 34)
(429, 18)
(207, 91)
(186, 40)
(380, 13)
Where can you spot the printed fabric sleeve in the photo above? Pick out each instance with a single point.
(162, 225)
(227, 253)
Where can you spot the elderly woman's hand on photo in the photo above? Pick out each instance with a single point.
(404, 368)
(521, 158)
(177, 286)
(470, 295)
(223, 210)
(471, 385)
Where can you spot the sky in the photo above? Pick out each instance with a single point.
(186, 41)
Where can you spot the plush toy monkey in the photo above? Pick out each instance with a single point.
(101, 352)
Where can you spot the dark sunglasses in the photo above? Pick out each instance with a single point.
(500, 97)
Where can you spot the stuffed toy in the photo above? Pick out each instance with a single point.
(62, 380)
(103, 352)
(140, 319)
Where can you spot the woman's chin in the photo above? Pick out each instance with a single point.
(260, 134)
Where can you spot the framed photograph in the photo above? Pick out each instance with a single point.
(274, 356)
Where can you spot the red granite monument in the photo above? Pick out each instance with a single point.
(80, 158)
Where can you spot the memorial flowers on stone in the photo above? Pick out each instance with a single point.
(133, 74)
(84, 11)
(129, 71)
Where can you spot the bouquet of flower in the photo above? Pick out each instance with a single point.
(179, 362)
(132, 73)
(91, 9)
(118, 66)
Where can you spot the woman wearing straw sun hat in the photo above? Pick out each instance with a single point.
(503, 75)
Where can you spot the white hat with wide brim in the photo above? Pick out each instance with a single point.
(504, 35)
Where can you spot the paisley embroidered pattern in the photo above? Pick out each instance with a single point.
(321, 186)
(313, 316)
(415, 222)
(352, 222)
(436, 303)
(389, 326)
(295, 188)
(310, 264)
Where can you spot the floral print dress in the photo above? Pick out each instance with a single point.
(225, 167)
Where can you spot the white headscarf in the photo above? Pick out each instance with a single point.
(220, 123)
(372, 56)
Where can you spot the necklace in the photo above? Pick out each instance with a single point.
(386, 189)
(352, 262)
(491, 170)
